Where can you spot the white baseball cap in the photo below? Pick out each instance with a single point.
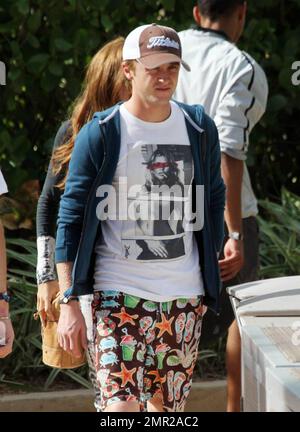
(153, 45)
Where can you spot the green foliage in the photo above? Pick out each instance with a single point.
(211, 361)
(272, 37)
(280, 236)
(47, 44)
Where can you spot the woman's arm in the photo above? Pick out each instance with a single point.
(47, 210)
(46, 216)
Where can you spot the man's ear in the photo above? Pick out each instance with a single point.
(127, 71)
(242, 12)
(197, 15)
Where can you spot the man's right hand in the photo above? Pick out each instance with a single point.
(71, 329)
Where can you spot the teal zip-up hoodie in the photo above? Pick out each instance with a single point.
(93, 163)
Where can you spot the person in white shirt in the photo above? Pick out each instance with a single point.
(6, 329)
(128, 163)
(233, 90)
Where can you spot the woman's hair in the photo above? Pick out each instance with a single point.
(103, 87)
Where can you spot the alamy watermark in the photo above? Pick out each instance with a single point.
(2, 74)
(296, 334)
(158, 203)
(296, 75)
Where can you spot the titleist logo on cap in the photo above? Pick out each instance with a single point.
(155, 41)
(154, 45)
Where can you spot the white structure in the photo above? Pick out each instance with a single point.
(283, 390)
(269, 297)
(268, 314)
(263, 350)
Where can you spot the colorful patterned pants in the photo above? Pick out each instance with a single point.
(145, 349)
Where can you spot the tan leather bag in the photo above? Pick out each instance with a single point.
(53, 354)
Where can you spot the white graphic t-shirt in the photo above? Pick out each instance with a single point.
(3, 186)
(146, 249)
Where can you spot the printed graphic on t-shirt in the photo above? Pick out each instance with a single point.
(159, 181)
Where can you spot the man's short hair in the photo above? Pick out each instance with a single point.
(215, 9)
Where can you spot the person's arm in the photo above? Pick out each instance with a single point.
(232, 173)
(5, 321)
(239, 110)
(71, 329)
(47, 210)
(83, 170)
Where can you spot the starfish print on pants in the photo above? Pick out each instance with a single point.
(158, 378)
(125, 375)
(190, 370)
(124, 317)
(199, 310)
(164, 326)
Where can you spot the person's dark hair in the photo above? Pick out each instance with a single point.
(214, 9)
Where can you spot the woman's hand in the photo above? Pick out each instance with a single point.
(9, 338)
(46, 293)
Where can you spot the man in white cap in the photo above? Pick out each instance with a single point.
(6, 329)
(151, 271)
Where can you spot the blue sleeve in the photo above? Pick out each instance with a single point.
(217, 186)
(83, 169)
